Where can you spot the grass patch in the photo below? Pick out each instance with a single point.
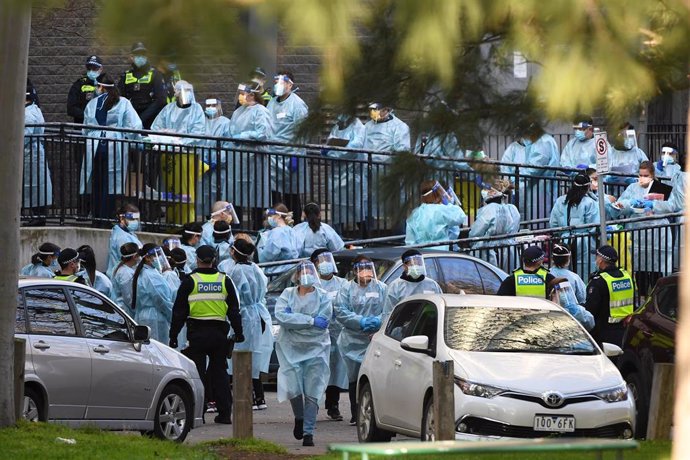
(649, 450)
(246, 445)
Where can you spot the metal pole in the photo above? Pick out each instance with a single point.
(602, 210)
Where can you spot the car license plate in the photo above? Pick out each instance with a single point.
(560, 423)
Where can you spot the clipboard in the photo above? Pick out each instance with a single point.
(337, 141)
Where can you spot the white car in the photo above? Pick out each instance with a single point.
(524, 368)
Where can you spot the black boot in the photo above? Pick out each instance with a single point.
(298, 430)
(308, 440)
(352, 390)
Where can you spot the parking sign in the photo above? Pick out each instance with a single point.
(601, 146)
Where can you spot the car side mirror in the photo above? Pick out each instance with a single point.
(415, 344)
(611, 350)
(142, 333)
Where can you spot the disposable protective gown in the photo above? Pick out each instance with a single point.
(324, 238)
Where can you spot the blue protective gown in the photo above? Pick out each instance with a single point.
(155, 299)
(37, 184)
(652, 249)
(250, 178)
(190, 265)
(121, 115)
(279, 243)
(102, 284)
(37, 270)
(118, 237)
(400, 288)
(352, 303)
(309, 241)
(389, 136)
(223, 250)
(226, 266)
(434, 222)
(566, 299)
(497, 219)
(286, 117)
(190, 120)
(217, 159)
(624, 162)
(536, 196)
(443, 150)
(303, 349)
(122, 288)
(667, 171)
(587, 212)
(675, 203)
(578, 152)
(251, 285)
(348, 182)
(575, 281)
(336, 364)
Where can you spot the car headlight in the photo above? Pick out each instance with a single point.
(610, 395)
(275, 329)
(475, 389)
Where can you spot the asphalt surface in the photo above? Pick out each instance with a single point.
(275, 424)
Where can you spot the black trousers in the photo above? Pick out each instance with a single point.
(208, 339)
(332, 396)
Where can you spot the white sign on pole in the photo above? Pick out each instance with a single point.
(601, 146)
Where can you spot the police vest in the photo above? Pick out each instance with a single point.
(530, 284)
(170, 86)
(207, 299)
(130, 79)
(139, 91)
(71, 278)
(89, 90)
(621, 296)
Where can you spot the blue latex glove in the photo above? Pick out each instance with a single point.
(582, 166)
(480, 182)
(647, 204)
(660, 165)
(374, 323)
(630, 180)
(363, 322)
(287, 310)
(320, 322)
(294, 164)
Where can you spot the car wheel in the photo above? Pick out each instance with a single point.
(173, 414)
(428, 423)
(33, 406)
(641, 398)
(367, 431)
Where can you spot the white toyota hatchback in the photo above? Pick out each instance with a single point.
(524, 368)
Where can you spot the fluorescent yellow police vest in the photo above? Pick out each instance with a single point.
(130, 78)
(621, 296)
(88, 88)
(207, 300)
(71, 278)
(530, 284)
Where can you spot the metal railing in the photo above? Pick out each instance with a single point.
(82, 174)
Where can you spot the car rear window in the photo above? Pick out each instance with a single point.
(493, 329)
(667, 301)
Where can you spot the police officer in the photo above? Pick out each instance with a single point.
(69, 266)
(143, 86)
(530, 280)
(610, 297)
(84, 89)
(204, 300)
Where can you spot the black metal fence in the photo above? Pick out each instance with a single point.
(82, 174)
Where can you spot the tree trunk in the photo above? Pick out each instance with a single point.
(681, 421)
(15, 26)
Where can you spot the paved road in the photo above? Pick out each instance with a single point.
(275, 424)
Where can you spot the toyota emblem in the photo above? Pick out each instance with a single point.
(553, 398)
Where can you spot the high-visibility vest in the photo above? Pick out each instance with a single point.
(207, 299)
(86, 88)
(144, 80)
(530, 284)
(621, 295)
(170, 86)
(71, 278)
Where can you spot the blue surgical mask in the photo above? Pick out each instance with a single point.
(307, 280)
(279, 89)
(211, 112)
(580, 135)
(132, 225)
(54, 266)
(92, 74)
(667, 159)
(415, 272)
(140, 61)
(272, 222)
(326, 268)
(628, 143)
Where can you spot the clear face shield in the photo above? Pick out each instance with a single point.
(564, 295)
(629, 139)
(306, 275)
(158, 259)
(212, 108)
(230, 215)
(668, 156)
(184, 92)
(172, 243)
(415, 266)
(326, 264)
(364, 271)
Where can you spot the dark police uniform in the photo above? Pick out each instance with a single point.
(524, 283)
(145, 89)
(204, 300)
(610, 299)
(81, 92)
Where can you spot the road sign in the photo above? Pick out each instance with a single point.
(601, 146)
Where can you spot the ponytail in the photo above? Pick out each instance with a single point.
(142, 252)
(313, 213)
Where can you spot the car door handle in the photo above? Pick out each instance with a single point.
(101, 349)
(41, 345)
(397, 363)
(377, 354)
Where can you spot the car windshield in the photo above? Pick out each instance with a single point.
(493, 329)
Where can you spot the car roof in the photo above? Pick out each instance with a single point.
(390, 253)
(25, 281)
(495, 301)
